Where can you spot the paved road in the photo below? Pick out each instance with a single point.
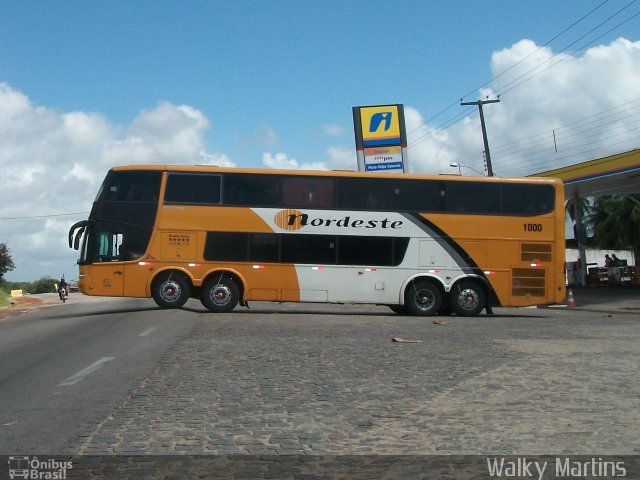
(64, 367)
(320, 380)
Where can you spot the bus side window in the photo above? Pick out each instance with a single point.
(251, 190)
(523, 199)
(473, 197)
(194, 189)
(308, 192)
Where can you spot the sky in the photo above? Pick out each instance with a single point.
(87, 85)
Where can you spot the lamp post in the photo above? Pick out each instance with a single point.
(459, 167)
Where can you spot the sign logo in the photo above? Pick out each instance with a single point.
(289, 220)
(380, 125)
(292, 220)
(377, 119)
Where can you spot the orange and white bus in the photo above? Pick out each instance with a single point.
(421, 244)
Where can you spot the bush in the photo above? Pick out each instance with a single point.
(44, 285)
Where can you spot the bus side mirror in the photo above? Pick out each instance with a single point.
(76, 240)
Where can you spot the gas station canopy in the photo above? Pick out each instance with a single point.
(615, 174)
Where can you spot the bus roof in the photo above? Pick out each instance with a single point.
(331, 173)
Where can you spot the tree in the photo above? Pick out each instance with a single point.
(615, 220)
(584, 206)
(6, 262)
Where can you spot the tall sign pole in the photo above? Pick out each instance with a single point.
(479, 103)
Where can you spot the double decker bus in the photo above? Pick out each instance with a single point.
(421, 244)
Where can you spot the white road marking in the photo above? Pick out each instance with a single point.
(147, 332)
(72, 380)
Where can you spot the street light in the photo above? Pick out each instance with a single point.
(459, 167)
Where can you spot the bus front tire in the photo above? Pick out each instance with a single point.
(423, 298)
(220, 295)
(170, 290)
(467, 298)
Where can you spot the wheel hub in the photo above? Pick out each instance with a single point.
(425, 299)
(170, 291)
(221, 294)
(468, 299)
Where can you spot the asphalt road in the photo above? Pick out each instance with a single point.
(121, 377)
(64, 367)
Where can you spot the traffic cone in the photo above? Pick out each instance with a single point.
(570, 301)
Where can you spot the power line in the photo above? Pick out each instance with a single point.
(554, 161)
(432, 132)
(507, 70)
(44, 216)
(540, 144)
(501, 91)
(442, 126)
(573, 126)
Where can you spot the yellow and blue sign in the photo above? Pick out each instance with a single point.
(380, 137)
(380, 126)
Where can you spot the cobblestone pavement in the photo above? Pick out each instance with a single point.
(328, 380)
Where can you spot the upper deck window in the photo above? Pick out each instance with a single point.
(131, 186)
(252, 190)
(308, 192)
(527, 199)
(193, 189)
(389, 194)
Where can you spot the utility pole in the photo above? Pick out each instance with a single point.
(479, 103)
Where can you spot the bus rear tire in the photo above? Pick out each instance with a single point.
(170, 290)
(467, 298)
(423, 298)
(220, 294)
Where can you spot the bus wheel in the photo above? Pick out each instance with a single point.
(170, 290)
(467, 298)
(423, 298)
(220, 294)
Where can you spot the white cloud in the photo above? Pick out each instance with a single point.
(166, 134)
(279, 161)
(567, 94)
(52, 163)
(334, 130)
(342, 158)
(217, 159)
(282, 162)
(265, 136)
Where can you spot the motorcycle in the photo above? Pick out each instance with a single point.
(63, 294)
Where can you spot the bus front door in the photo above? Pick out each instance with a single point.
(106, 273)
(106, 279)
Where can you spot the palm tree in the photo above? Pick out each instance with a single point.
(584, 205)
(615, 220)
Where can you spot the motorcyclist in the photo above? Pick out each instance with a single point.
(63, 288)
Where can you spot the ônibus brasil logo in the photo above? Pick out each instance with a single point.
(292, 220)
(34, 468)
